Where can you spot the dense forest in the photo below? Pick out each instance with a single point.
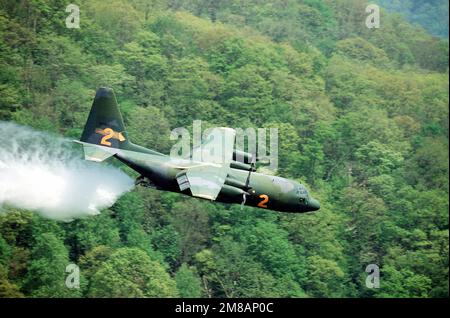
(431, 14)
(362, 116)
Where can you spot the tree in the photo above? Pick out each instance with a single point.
(403, 283)
(269, 244)
(190, 220)
(118, 18)
(376, 159)
(359, 49)
(46, 273)
(188, 282)
(129, 272)
(325, 278)
(230, 272)
(85, 234)
(7, 289)
(149, 128)
(429, 166)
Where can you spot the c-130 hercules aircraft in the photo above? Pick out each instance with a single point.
(217, 179)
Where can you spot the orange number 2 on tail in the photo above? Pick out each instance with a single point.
(109, 134)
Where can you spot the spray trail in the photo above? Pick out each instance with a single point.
(46, 174)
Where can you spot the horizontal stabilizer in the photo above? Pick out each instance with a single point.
(96, 153)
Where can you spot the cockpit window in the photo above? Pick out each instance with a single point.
(283, 184)
(301, 191)
(302, 194)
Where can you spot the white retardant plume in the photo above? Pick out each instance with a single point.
(47, 174)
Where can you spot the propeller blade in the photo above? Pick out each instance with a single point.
(244, 199)
(249, 173)
(247, 182)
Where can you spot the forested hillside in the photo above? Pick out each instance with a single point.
(431, 14)
(362, 117)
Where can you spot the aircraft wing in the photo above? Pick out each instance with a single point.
(217, 147)
(203, 181)
(216, 151)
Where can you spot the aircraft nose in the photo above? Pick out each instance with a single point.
(313, 205)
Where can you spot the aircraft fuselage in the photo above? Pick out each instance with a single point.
(216, 176)
(265, 191)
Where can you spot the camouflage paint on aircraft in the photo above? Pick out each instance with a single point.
(214, 176)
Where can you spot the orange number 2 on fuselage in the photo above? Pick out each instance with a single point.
(263, 203)
(109, 134)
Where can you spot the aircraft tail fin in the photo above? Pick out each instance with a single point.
(104, 133)
(104, 126)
